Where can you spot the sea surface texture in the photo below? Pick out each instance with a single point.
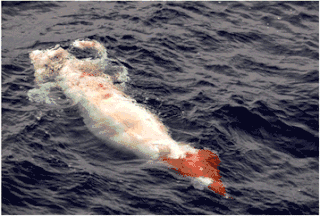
(238, 78)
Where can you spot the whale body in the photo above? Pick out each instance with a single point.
(115, 117)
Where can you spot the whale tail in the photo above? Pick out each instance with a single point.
(202, 165)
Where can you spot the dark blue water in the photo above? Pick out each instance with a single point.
(241, 78)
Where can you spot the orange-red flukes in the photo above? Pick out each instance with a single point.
(203, 163)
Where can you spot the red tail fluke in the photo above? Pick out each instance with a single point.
(203, 163)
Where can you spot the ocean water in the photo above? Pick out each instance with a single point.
(240, 78)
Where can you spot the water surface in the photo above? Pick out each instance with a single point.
(240, 78)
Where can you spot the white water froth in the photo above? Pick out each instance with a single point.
(201, 183)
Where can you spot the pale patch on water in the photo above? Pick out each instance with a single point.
(43, 94)
(201, 183)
